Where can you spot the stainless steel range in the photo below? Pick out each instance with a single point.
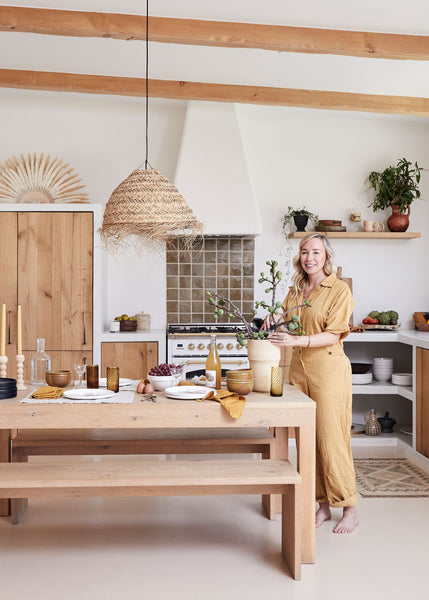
(187, 343)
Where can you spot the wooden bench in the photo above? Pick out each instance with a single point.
(132, 476)
(76, 442)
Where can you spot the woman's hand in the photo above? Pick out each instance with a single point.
(269, 320)
(280, 338)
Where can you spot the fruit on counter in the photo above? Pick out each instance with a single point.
(140, 387)
(125, 317)
(419, 318)
(163, 369)
(387, 317)
(148, 389)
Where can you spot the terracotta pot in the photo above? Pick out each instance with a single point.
(398, 221)
(262, 356)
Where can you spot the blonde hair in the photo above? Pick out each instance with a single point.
(300, 279)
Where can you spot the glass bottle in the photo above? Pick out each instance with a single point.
(40, 363)
(213, 366)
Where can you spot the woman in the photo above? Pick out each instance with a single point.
(321, 370)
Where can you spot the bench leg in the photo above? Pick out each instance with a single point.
(18, 506)
(291, 529)
(272, 504)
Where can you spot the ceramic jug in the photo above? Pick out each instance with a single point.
(372, 426)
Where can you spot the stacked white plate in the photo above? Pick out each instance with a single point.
(361, 378)
(402, 378)
(382, 368)
(187, 392)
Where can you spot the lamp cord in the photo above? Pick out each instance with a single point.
(147, 84)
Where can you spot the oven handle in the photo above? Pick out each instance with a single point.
(197, 361)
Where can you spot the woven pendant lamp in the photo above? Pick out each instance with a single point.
(146, 208)
(146, 205)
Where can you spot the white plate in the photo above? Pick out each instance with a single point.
(88, 394)
(102, 382)
(187, 392)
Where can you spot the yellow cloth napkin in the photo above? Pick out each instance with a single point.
(47, 392)
(231, 402)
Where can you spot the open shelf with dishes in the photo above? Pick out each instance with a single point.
(381, 235)
(381, 387)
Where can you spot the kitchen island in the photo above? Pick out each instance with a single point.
(293, 409)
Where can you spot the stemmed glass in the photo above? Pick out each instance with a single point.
(176, 371)
(80, 370)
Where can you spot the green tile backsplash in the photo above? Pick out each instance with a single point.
(222, 264)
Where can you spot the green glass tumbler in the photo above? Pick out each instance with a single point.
(113, 379)
(277, 381)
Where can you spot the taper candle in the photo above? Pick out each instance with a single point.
(19, 331)
(3, 331)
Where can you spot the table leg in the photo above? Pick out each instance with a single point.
(272, 503)
(306, 463)
(4, 457)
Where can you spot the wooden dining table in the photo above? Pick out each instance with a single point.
(292, 410)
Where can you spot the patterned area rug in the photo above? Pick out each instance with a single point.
(390, 478)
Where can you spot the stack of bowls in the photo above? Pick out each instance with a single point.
(7, 388)
(240, 381)
(382, 368)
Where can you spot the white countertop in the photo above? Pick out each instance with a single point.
(412, 337)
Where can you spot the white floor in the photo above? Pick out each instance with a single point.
(209, 548)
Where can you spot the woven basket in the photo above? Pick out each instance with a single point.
(148, 206)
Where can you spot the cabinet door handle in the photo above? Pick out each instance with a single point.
(84, 329)
(8, 327)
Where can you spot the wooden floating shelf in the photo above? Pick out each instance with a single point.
(379, 235)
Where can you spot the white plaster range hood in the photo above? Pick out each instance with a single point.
(212, 173)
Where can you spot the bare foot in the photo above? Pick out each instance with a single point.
(323, 514)
(349, 522)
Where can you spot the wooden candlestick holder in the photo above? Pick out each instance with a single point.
(3, 362)
(20, 372)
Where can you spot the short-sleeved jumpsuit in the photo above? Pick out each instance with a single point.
(324, 374)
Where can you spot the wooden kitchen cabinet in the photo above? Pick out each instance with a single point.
(47, 267)
(422, 401)
(134, 359)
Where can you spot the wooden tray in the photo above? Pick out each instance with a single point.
(380, 326)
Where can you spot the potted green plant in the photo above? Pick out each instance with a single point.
(261, 353)
(300, 217)
(396, 187)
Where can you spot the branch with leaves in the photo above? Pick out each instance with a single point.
(223, 306)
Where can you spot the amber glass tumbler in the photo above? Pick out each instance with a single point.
(113, 379)
(92, 376)
(277, 380)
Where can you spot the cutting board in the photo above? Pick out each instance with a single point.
(349, 282)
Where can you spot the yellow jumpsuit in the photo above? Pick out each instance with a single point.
(324, 374)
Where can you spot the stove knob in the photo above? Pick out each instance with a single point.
(229, 346)
(191, 346)
(220, 346)
(201, 346)
(239, 347)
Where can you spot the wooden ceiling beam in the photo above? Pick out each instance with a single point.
(215, 33)
(214, 92)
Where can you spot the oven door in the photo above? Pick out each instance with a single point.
(195, 366)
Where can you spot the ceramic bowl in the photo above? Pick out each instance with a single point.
(58, 378)
(240, 386)
(161, 382)
(243, 374)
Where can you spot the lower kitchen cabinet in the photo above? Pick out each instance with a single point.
(134, 359)
(422, 401)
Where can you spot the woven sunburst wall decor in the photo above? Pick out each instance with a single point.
(38, 178)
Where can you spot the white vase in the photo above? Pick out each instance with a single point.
(262, 355)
